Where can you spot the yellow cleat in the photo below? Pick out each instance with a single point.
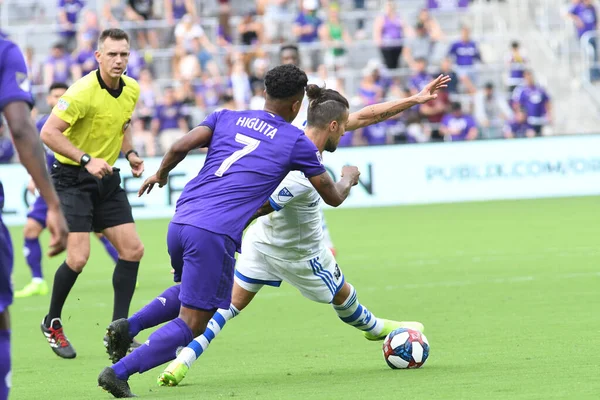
(173, 374)
(33, 289)
(389, 326)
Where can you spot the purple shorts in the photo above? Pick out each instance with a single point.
(38, 211)
(204, 263)
(6, 266)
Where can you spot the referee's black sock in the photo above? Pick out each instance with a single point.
(124, 279)
(64, 279)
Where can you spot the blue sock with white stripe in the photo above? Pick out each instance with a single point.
(357, 315)
(195, 349)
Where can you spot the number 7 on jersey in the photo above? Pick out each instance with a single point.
(250, 145)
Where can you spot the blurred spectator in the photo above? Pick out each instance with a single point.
(457, 126)
(584, 15)
(421, 46)
(388, 34)
(115, 11)
(68, 14)
(260, 67)
(140, 11)
(90, 26)
(240, 83)
(169, 123)
(85, 56)
(176, 9)
(517, 64)
(188, 66)
(379, 74)
(491, 112)
(360, 22)
(277, 18)
(306, 31)
(376, 135)
(420, 77)
(535, 101)
(369, 91)
(335, 38)
(347, 140)
(7, 151)
(330, 81)
(228, 103)
(147, 100)
(135, 64)
(250, 29)
(60, 67)
(192, 42)
(446, 68)
(33, 67)
(209, 92)
(431, 25)
(188, 98)
(447, 5)
(224, 38)
(434, 110)
(257, 102)
(465, 53)
(518, 127)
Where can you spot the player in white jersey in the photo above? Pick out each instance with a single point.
(287, 245)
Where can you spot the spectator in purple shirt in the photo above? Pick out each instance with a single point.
(306, 30)
(60, 67)
(388, 34)
(68, 14)
(517, 64)
(169, 123)
(518, 127)
(447, 5)
(420, 78)
(85, 57)
(535, 101)
(585, 18)
(176, 9)
(465, 54)
(457, 126)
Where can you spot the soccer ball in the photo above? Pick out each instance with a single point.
(405, 348)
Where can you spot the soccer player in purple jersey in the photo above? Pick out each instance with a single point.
(36, 217)
(15, 103)
(249, 154)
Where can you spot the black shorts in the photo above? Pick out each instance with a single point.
(90, 204)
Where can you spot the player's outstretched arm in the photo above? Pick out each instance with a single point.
(198, 137)
(32, 156)
(334, 193)
(376, 113)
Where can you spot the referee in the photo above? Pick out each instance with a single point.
(86, 130)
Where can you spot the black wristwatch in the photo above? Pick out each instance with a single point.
(85, 159)
(129, 152)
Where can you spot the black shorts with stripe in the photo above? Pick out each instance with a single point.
(90, 204)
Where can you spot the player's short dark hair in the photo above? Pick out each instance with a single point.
(114, 34)
(288, 47)
(325, 105)
(285, 81)
(58, 85)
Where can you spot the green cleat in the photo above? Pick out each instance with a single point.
(389, 326)
(173, 374)
(33, 289)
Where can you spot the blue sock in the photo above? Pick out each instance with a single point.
(358, 316)
(33, 255)
(4, 364)
(110, 249)
(162, 309)
(160, 347)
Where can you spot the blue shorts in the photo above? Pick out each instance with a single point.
(38, 211)
(6, 266)
(204, 263)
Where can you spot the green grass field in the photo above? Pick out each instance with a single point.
(509, 293)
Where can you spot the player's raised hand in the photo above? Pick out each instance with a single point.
(351, 172)
(429, 92)
(150, 182)
(137, 165)
(57, 225)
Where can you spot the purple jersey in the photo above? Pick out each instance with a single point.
(376, 134)
(249, 155)
(49, 153)
(465, 53)
(305, 19)
(62, 68)
(419, 81)
(533, 99)
(587, 15)
(179, 9)
(71, 9)
(135, 64)
(518, 129)
(450, 5)
(169, 116)
(461, 124)
(87, 60)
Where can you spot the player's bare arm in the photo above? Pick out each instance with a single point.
(135, 162)
(33, 158)
(52, 136)
(376, 113)
(334, 193)
(265, 209)
(198, 137)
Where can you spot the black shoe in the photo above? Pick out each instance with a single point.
(134, 345)
(108, 381)
(117, 340)
(57, 340)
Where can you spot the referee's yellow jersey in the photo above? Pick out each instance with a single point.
(97, 115)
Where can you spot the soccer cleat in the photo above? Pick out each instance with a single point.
(134, 345)
(389, 326)
(57, 340)
(117, 340)
(32, 289)
(173, 374)
(109, 381)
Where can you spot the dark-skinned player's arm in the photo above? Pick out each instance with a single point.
(334, 193)
(265, 209)
(32, 156)
(376, 113)
(198, 137)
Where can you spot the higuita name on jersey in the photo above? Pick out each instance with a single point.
(258, 125)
